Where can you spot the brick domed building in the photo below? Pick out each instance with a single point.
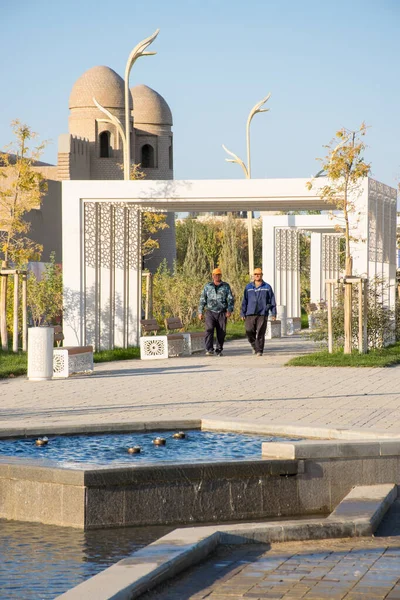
(92, 149)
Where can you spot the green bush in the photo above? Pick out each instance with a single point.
(381, 321)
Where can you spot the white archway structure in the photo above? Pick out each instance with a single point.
(373, 247)
(281, 257)
(101, 241)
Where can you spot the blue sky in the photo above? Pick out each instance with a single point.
(327, 65)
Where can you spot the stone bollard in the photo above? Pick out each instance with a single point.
(273, 330)
(293, 325)
(281, 316)
(297, 324)
(40, 353)
(311, 321)
(289, 326)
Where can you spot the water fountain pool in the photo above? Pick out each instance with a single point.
(111, 449)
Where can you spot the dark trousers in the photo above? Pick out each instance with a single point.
(256, 326)
(215, 321)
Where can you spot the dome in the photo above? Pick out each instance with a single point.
(149, 107)
(102, 83)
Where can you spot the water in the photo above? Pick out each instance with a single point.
(40, 562)
(111, 449)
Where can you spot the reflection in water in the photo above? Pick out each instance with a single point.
(39, 562)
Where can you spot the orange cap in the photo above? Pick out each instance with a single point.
(217, 272)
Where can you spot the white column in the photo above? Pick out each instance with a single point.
(269, 251)
(316, 284)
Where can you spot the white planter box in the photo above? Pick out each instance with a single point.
(40, 353)
(153, 347)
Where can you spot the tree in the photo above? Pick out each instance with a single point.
(45, 294)
(196, 260)
(345, 167)
(152, 222)
(21, 190)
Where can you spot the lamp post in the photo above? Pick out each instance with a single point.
(247, 172)
(139, 50)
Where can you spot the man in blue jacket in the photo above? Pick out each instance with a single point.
(258, 303)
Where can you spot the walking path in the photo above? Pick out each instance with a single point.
(237, 385)
(240, 385)
(356, 569)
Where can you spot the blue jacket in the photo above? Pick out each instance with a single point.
(258, 300)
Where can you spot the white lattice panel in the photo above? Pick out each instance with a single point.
(65, 364)
(153, 347)
(60, 362)
(40, 346)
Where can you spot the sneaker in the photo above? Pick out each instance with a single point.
(253, 351)
(209, 352)
(218, 352)
(259, 353)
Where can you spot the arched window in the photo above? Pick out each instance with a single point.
(170, 156)
(105, 144)
(147, 157)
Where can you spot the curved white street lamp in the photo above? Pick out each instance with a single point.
(139, 50)
(247, 172)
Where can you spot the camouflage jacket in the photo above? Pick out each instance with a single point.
(217, 298)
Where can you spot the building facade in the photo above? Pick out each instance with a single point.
(92, 150)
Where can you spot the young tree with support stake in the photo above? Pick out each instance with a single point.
(21, 190)
(345, 167)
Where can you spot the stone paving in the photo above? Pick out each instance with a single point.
(239, 385)
(235, 385)
(350, 569)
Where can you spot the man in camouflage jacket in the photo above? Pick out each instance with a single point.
(217, 299)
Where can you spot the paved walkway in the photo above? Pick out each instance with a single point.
(237, 385)
(352, 569)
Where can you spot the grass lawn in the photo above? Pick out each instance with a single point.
(304, 320)
(116, 354)
(384, 357)
(12, 364)
(16, 364)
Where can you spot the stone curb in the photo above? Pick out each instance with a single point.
(310, 449)
(357, 515)
(293, 430)
(206, 423)
(137, 426)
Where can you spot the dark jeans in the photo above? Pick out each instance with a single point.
(256, 326)
(215, 321)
